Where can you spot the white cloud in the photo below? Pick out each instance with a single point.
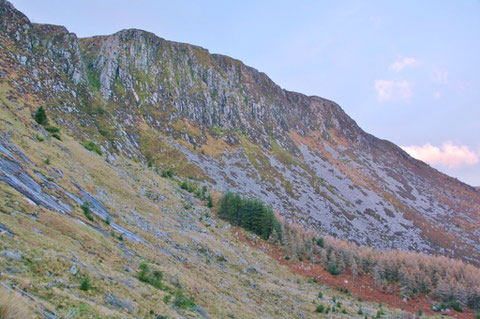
(447, 156)
(440, 76)
(398, 66)
(437, 95)
(391, 90)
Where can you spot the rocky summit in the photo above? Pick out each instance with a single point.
(124, 109)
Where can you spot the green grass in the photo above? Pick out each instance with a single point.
(93, 77)
(57, 136)
(92, 147)
(283, 155)
(52, 129)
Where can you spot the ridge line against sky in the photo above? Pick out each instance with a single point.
(405, 71)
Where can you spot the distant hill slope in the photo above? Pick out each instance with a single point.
(228, 126)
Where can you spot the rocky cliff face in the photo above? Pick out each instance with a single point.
(224, 124)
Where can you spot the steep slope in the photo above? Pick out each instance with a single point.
(48, 245)
(228, 126)
(66, 214)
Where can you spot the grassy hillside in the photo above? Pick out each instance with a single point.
(160, 254)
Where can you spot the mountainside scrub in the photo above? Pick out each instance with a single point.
(454, 283)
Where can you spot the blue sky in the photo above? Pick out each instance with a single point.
(406, 71)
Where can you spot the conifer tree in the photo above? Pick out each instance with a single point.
(41, 116)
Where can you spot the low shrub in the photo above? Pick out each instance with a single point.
(85, 283)
(86, 210)
(52, 129)
(181, 301)
(332, 269)
(209, 201)
(57, 136)
(92, 147)
(168, 173)
(154, 278)
(320, 309)
(320, 242)
(454, 304)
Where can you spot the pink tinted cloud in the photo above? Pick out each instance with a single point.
(447, 155)
(392, 90)
(399, 65)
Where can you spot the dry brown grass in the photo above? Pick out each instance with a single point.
(12, 305)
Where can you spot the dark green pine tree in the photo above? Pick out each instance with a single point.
(41, 116)
(223, 206)
(209, 201)
(248, 213)
(236, 212)
(268, 222)
(258, 217)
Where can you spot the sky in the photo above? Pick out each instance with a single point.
(405, 71)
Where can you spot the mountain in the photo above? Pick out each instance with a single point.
(113, 150)
(228, 126)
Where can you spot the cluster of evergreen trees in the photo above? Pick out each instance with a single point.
(249, 213)
(450, 281)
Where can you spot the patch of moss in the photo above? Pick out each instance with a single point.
(91, 146)
(93, 77)
(161, 154)
(283, 155)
